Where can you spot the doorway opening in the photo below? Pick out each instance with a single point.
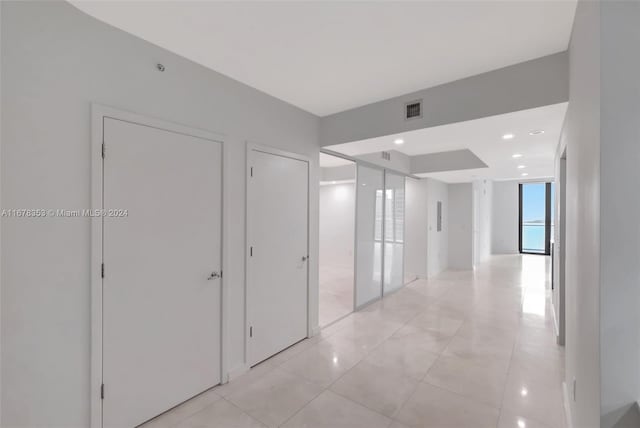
(337, 236)
(535, 227)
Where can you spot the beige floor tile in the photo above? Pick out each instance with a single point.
(396, 424)
(364, 337)
(184, 410)
(241, 382)
(330, 410)
(434, 354)
(534, 396)
(218, 415)
(275, 397)
(293, 350)
(323, 363)
(432, 341)
(410, 355)
(375, 387)
(512, 420)
(430, 406)
(480, 352)
(437, 323)
(481, 383)
(335, 293)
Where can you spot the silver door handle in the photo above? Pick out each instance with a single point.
(214, 275)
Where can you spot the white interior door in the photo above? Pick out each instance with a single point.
(277, 259)
(161, 316)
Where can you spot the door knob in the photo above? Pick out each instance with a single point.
(304, 258)
(215, 275)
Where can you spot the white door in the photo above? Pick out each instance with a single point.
(277, 259)
(161, 316)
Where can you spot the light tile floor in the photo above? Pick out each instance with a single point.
(466, 349)
(335, 293)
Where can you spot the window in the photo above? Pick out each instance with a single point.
(535, 226)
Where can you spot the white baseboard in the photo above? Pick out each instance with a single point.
(567, 406)
(237, 371)
(556, 327)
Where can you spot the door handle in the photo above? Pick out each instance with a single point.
(305, 258)
(214, 275)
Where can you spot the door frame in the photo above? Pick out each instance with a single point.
(251, 146)
(98, 114)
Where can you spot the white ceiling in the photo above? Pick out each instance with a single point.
(326, 56)
(328, 161)
(484, 138)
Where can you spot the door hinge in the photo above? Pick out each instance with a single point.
(104, 149)
(251, 331)
(102, 270)
(102, 391)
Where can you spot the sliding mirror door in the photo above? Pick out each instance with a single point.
(369, 234)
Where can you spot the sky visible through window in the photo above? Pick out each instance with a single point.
(533, 217)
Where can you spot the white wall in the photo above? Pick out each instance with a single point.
(337, 229)
(504, 226)
(581, 135)
(527, 85)
(460, 219)
(338, 173)
(398, 162)
(482, 218)
(1, 275)
(55, 62)
(437, 242)
(416, 229)
(619, 208)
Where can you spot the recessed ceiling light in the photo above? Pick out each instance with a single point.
(398, 141)
(516, 155)
(508, 136)
(522, 166)
(537, 132)
(524, 174)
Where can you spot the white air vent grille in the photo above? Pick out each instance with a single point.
(386, 156)
(413, 109)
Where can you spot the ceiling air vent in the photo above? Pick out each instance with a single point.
(413, 110)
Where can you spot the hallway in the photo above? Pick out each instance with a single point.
(460, 350)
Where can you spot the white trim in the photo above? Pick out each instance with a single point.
(556, 329)
(250, 146)
(236, 372)
(98, 113)
(567, 405)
